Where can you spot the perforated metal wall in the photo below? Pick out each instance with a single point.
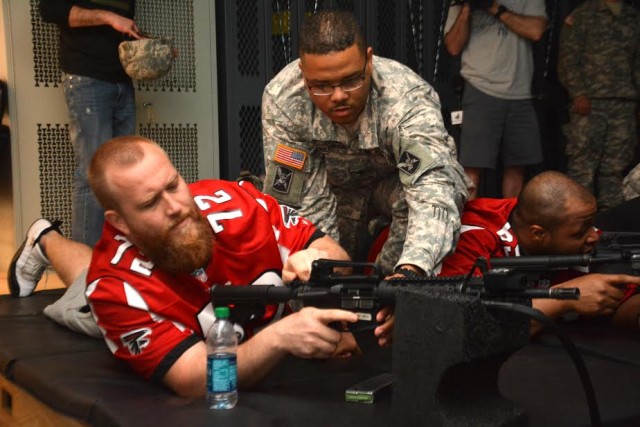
(45, 49)
(180, 141)
(248, 45)
(173, 19)
(251, 140)
(56, 166)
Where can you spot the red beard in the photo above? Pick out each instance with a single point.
(179, 251)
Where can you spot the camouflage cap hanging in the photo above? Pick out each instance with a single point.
(146, 59)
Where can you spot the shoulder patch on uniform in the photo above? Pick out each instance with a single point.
(282, 179)
(408, 163)
(289, 156)
(568, 21)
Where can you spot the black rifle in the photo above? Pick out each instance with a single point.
(366, 293)
(616, 253)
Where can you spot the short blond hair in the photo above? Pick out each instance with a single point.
(122, 151)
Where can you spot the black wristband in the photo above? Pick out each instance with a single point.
(409, 274)
(501, 9)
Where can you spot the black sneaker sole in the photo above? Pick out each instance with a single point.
(14, 286)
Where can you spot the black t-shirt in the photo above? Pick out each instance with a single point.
(89, 51)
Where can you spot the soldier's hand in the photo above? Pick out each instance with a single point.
(582, 105)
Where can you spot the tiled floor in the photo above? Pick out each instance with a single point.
(7, 240)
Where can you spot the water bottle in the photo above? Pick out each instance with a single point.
(222, 374)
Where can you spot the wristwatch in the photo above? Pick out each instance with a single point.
(501, 9)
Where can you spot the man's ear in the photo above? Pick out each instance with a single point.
(538, 233)
(114, 218)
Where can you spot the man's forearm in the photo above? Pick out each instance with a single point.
(257, 357)
(529, 27)
(81, 17)
(552, 308)
(456, 38)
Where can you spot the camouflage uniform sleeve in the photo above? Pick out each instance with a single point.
(436, 189)
(636, 68)
(307, 189)
(569, 56)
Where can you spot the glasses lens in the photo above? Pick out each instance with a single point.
(322, 90)
(352, 84)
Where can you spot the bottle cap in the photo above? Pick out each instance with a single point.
(222, 312)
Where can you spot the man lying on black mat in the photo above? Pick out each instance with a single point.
(164, 244)
(553, 215)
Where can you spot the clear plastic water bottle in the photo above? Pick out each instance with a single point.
(222, 374)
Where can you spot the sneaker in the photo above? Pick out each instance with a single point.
(29, 262)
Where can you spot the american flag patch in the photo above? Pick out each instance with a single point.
(290, 156)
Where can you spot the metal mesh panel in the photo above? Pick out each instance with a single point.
(248, 41)
(180, 141)
(443, 61)
(386, 29)
(169, 18)
(56, 166)
(414, 37)
(345, 4)
(312, 5)
(251, 156)
(45, 40)
(174, 19)
(281, 34)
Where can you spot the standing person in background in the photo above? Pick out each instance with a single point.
(497, 66)
(99, 95)
(599, 65)
(349, 136)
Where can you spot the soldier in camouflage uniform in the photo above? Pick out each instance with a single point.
(631, 184)
(599, 64)
(349, 136)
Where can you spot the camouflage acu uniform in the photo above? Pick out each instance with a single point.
(398, 162)
(631, 184)
(146, 59)
(600, 58)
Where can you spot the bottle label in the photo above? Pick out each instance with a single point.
(222, 373)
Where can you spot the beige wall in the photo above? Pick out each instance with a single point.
(3, 54)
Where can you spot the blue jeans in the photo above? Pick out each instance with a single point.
(98, 111)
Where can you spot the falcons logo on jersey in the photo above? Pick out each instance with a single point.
(136, 341)
(290, 216)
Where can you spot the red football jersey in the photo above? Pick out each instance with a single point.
(149, 317)
(485, 232)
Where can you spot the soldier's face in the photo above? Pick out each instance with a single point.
(335, 72)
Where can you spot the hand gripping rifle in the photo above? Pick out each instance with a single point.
(366, 293)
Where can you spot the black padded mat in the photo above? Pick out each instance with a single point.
(77, 376)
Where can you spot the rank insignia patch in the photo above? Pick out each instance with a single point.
(408, 163)
(282, 180)
(290, 156)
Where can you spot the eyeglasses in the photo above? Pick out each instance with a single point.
(347, 85)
